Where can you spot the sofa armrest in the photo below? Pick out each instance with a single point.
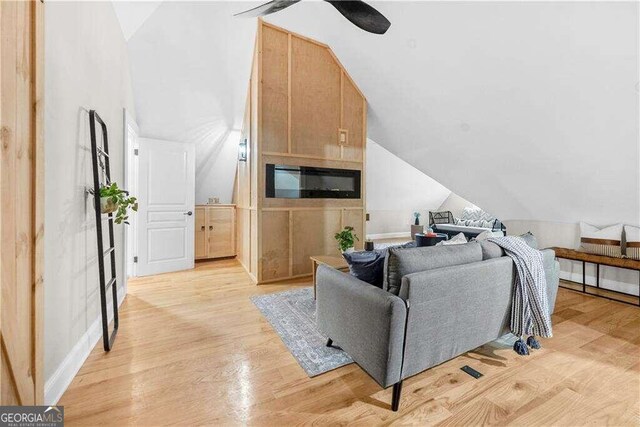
(552, 274)
(365, 321)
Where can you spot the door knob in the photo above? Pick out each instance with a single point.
(188, 213)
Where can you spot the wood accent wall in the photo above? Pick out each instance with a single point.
(300, 98)
(22, 200)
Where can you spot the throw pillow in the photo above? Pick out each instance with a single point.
(367, 266)
(487, 234)
(476, 214)
(471, 213)
(475, 223)
(458, 239)
(632, 245)
(530, 239)
(601, 240)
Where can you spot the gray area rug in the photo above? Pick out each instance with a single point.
(293, 315)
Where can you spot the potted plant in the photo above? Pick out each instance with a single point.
(346, 239)
(114, 199)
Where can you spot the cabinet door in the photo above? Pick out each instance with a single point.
(201, 233)
(221, 229)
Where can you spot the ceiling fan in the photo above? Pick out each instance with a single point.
(358, 12)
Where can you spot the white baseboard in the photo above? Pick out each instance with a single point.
(55, 386)
(400, 235)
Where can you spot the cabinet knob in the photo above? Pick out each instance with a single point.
(211, 227)
(202, 228)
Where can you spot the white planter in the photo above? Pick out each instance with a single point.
(348, 250)
(107, 206)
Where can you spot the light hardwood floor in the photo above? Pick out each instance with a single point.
(193, 350)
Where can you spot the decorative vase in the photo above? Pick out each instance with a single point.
(417, 222)
(107, 205)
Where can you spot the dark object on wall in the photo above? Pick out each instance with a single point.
(357, 12)
(100, 161)
(307, 182)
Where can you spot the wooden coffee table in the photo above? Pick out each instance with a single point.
(335, 261)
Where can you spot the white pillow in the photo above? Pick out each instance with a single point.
(488, 234)
(601, 241)
(632, 246)
(458, 239)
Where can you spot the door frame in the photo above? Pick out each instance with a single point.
(131, 184)
(29, 26)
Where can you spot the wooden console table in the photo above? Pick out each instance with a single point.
(598, 260)
(335, 261)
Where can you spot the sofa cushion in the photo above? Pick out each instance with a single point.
(490, 250)
(401, 262)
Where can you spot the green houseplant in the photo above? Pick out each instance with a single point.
(114, 199)
(346, 239)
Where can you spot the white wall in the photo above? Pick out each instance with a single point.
(395, 190)
(86, 67)
(455, 204)
(216, 163)
(190, 65)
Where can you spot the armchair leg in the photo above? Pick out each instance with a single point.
(329, 342)
(395, 400)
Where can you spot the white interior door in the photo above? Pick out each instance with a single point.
(166, 186)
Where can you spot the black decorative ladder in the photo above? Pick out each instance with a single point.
(100, 160)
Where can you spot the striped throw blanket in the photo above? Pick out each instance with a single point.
(530, 306)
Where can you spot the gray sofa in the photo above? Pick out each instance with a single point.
(436, 303)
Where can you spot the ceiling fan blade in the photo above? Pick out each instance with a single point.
(267, 8)
(362, 15)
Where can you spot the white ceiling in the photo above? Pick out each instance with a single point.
(528, 109)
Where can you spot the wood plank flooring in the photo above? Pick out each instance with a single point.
(193, 350)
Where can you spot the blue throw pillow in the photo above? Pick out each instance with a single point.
(368, 266)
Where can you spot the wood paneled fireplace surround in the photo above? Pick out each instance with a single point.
(302, 109)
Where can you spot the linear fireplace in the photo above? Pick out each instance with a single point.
(306, 182)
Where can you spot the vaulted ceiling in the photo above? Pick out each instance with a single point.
(528, 109)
